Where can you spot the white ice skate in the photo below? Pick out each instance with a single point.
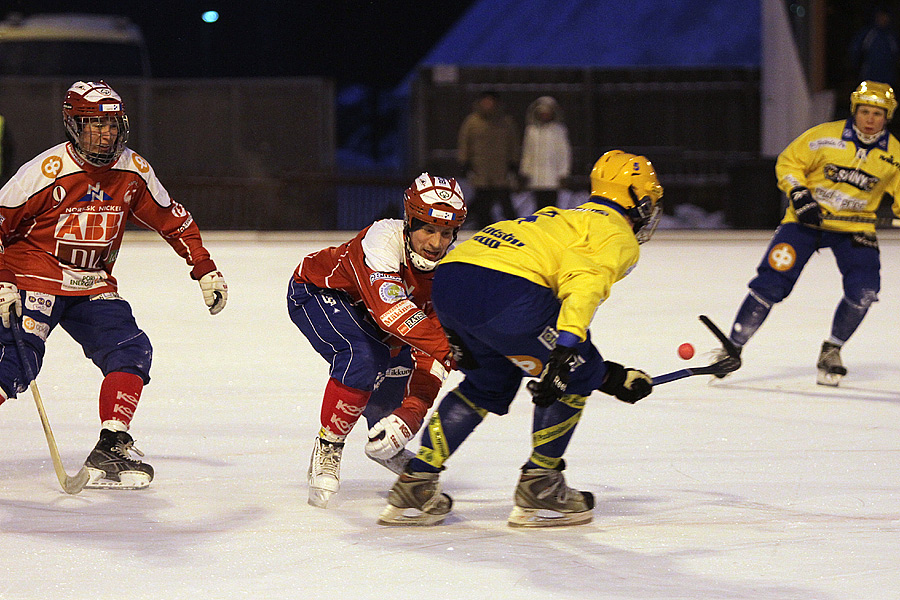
(324, 473)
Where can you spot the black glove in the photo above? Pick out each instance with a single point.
(806, 209)
(554, 378)
(628, 385)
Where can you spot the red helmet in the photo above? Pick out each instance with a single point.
(88, 102)
(435, 200)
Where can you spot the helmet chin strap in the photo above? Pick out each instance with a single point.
(418, 261)
(867, 138)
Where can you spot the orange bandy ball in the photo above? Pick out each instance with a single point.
(686, 351)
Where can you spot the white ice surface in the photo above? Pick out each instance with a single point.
(764, 485)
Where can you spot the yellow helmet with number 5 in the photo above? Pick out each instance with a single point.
(630, 181)
(874, 93)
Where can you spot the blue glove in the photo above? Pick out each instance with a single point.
(806, 209)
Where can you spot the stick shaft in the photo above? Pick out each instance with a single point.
(71, 485)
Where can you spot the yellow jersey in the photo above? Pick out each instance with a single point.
(578, 253)
(844, 177)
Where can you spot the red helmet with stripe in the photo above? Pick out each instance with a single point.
(435, 200)
(94, 104)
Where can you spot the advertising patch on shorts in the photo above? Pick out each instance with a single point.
(42, 303)
(782, 257)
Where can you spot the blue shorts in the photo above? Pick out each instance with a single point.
(102, 325)
(793, 245)
(507, 326)
(356, 349)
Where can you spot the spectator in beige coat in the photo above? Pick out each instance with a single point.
(488, 152)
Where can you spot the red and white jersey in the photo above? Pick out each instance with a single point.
(62, 221)
(373, 269)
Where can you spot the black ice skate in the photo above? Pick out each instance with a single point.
(416, 499)
(544, 500)
(831, 369)
(110, 464)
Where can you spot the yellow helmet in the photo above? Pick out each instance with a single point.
(630, 181)
(874, 93)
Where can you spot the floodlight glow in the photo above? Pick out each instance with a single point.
(210, 16)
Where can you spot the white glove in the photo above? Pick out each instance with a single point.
(10, 301)
(388, 437)
(215, 291)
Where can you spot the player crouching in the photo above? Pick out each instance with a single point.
(517, 299)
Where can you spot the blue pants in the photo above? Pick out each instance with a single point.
(793, 245)
(356, 349)
(103, 326)
(507, 326)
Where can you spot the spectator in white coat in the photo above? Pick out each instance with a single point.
(546, 152)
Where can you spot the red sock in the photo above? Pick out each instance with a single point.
(342, 407)
(119, 395)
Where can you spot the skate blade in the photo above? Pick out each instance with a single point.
(396, 464)
(128, 480)
(536, 517)
(319, 497)
(829, 379)
(396, 516)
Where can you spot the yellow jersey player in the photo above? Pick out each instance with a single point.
(835, 176)
(516, 300)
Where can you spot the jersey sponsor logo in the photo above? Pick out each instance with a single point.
(42, 303)
(393, 314)
(51, 166)
(827, 143)
(411, 322)
(79, 280)
(889, 159)
(391, 292)
(782, 257)
(89, 226)
(139, 163)
(389, 276)
(839, 201)
(855, 177)
(179, 211)
(95, 193)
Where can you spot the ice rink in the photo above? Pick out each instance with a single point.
(764, 485)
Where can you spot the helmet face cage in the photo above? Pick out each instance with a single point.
(874, 93)
(90, 112)
(630, 181)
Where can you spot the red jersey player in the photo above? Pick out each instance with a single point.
(365, 306)
(62, 218)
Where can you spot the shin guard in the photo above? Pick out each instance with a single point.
(341, 408)
(552, 428)
(455, 418)
(119, 396)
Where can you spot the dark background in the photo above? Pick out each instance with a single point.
(373, 43)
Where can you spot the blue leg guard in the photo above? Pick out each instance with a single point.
(552, 428)
(452, 422)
